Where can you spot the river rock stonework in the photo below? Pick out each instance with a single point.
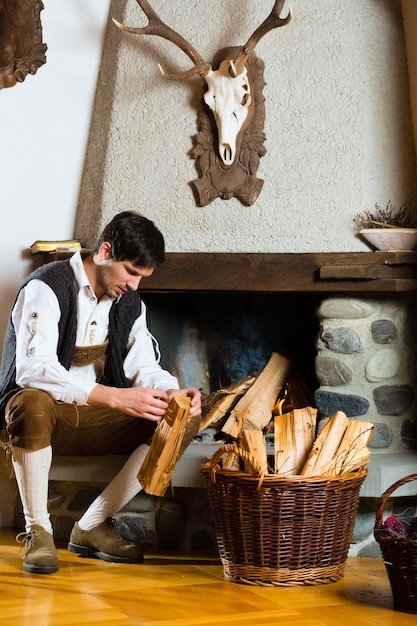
(366, 366)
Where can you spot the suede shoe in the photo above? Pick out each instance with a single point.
(103, 542)
(40, 553)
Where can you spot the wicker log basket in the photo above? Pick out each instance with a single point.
(281, 531)
(400, 556)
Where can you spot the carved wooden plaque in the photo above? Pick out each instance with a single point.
(21, 49)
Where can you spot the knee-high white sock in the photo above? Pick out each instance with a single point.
(31, 468)
(118, 492)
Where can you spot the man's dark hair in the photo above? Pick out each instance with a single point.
(134, 238)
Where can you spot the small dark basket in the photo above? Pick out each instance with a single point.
(400, 556)
(281, 531)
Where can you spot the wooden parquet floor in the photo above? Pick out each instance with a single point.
(184, 590)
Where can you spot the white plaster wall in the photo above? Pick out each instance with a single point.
(44, 125)
(338, 126)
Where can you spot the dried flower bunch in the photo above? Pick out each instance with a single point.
(390, 217)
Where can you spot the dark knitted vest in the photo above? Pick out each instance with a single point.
(59, 276)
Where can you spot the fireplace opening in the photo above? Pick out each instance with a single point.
(212, 339)
(346, 321)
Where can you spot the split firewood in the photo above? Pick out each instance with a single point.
(294, 434)
(341, 447)
(216, 405)
(163, 454)
(305, 421)
(359, 457)
(284, 445)
(258, 402)
(252, 440)
(326, 444)
(352, 452)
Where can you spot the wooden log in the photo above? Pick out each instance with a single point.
(216, 406)
(164, 452)
(284, 445)
(294, 434)
(304, 425)
(326, 444)
(352, 452)
(258, 402)
(252, 440)
(358, 458)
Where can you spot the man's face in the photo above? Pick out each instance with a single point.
(117, 277)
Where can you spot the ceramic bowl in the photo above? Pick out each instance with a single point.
(391, 239)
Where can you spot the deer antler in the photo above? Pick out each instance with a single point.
(272, 21)
(157, 27)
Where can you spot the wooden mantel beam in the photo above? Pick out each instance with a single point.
(328, 272)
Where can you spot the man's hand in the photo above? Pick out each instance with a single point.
(191, 392)
(149, 404)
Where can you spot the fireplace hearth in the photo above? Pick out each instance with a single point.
(344, 319)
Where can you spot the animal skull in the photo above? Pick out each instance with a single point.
(230, 99)
(230, 91)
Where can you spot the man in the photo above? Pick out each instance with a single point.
(79, 377)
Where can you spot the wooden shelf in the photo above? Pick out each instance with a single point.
(338, 272)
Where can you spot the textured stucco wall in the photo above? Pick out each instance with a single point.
(338, 126)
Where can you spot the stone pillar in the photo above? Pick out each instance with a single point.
(366, 366)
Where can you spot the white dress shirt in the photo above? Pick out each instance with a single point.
(35, 319)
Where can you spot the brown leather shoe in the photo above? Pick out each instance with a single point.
(40, 553)
(103, 542)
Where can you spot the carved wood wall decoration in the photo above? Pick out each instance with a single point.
(22, 51)
(239, 179)
(230, 139)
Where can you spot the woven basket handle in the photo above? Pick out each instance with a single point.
(386, 495)
(213, 464)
